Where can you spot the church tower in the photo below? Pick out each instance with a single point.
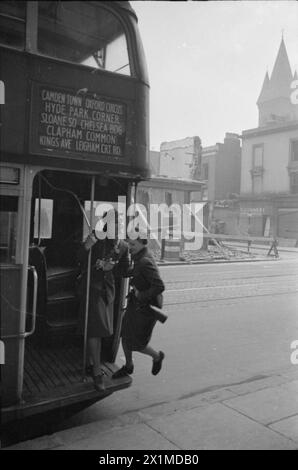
(274, 102)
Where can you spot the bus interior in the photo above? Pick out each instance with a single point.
(54, 353)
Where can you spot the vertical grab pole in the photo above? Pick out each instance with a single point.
(88, 281)
(39, 207)
(124, 287)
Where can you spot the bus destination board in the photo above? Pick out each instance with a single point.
(67, 123)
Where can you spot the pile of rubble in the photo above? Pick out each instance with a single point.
(223, 253)
(213, 253)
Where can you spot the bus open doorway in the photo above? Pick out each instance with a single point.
(54, 353)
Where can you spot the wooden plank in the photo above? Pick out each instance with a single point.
(62, 370)
(45, 365)
(41, 366)
(26, 388)
(40, 371)
(75, 371)
(50, 369)
(69, 364)
(32, 372)
(32, 381)
(75, 353)
(74, 356)
(29, 383)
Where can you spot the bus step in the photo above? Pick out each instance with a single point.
(64, 296)
(62, 324)
(61, 279)
(62, 311)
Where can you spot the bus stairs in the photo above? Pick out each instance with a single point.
(62, 300)
(53, 366)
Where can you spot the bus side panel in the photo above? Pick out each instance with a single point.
(20, 116)
(10, 281)
(13, 113)
(141, 160)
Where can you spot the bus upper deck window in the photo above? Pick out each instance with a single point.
(8, 222)
(84, 33)
(12, 23)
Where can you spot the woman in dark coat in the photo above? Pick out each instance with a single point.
(106, 255)
(138, 321)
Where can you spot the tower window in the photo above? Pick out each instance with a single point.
(257, 161)
(294, 150)
(294, 183)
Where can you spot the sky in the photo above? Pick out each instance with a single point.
(207, 62)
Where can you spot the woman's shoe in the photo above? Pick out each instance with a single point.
(123, 372)
(156, 366)
(99, 382)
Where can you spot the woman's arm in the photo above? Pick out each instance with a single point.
(85, 247)
(150, 273)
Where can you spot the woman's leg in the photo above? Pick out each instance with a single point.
(128, 368)
(127, 354)
(150, 352)
(95, 353)
(157, 357)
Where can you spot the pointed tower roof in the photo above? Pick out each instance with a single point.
(265, 89)
(281, 75)
(295, 77)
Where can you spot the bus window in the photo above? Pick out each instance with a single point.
(8, 223)
(43, 218)
(83, 33)
(12, 23)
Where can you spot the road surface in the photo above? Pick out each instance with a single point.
(228, 323)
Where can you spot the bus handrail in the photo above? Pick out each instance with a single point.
(55, 188)
(35, 287)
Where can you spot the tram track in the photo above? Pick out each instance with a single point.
(190, 285)
(221, 287)
(236, 278)
(196, 301)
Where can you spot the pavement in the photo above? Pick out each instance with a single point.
(260, 413)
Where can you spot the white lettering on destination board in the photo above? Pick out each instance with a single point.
(80, 124)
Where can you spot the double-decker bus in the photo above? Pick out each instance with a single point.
(74, 133)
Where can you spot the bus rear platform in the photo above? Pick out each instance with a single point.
(53, 379)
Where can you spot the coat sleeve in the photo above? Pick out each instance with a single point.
(151, 274)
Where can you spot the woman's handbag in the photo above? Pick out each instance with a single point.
(157, 313)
